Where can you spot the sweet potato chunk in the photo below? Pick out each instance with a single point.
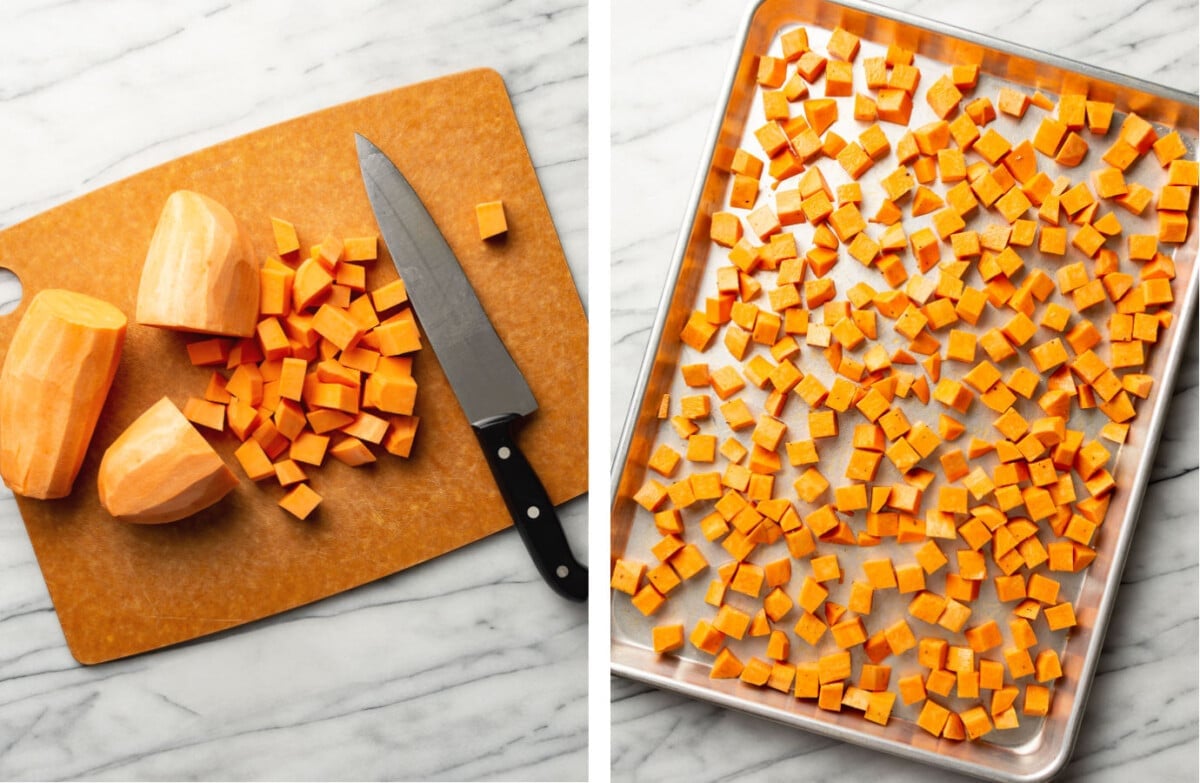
(160, 469)
(56, 376)
(200, 274)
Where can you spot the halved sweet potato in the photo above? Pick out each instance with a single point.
(160, 469)
(56, 376)
(200, 274)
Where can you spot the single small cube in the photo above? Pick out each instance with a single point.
(286, 242)
(667, 638)
(492, 222)
(647, 600)
(301, 501)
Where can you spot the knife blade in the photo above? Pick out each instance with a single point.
(486, 381)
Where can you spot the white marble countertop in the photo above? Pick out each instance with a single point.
(669, 64)
(467, 667)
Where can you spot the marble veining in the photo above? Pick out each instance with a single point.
(467, 667)
(669, 63)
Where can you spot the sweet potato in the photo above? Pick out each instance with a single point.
(160, 469)
(492, 221)
(57, 374)
(200, 274)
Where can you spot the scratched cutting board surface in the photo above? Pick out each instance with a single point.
(122, 589)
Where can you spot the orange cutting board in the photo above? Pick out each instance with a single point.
(122, 589)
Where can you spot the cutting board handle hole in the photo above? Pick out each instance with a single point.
(10, 291)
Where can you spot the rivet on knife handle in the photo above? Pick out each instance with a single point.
(531, 510)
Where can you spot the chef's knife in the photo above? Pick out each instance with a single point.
(489, 386)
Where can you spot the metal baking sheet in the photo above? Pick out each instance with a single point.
(1040, 746)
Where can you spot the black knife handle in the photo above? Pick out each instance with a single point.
(531, 510)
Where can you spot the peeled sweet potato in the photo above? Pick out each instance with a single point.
(160, 469)
(200, 274)
(56, 376)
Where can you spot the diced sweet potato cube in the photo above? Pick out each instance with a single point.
(362, 248)
(352, 451)
(933, 717)
(1012, 102)
(667, 638)
(254, 461)
(976, 722)
(301, 501)
(943, 96)
(205, 413)
(398, 335)
(1099, 116)
(213, 351)
(286, 241)
(731, 621)
(894, 105)
(401, 434)
(289, 472)
(1072, 151)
